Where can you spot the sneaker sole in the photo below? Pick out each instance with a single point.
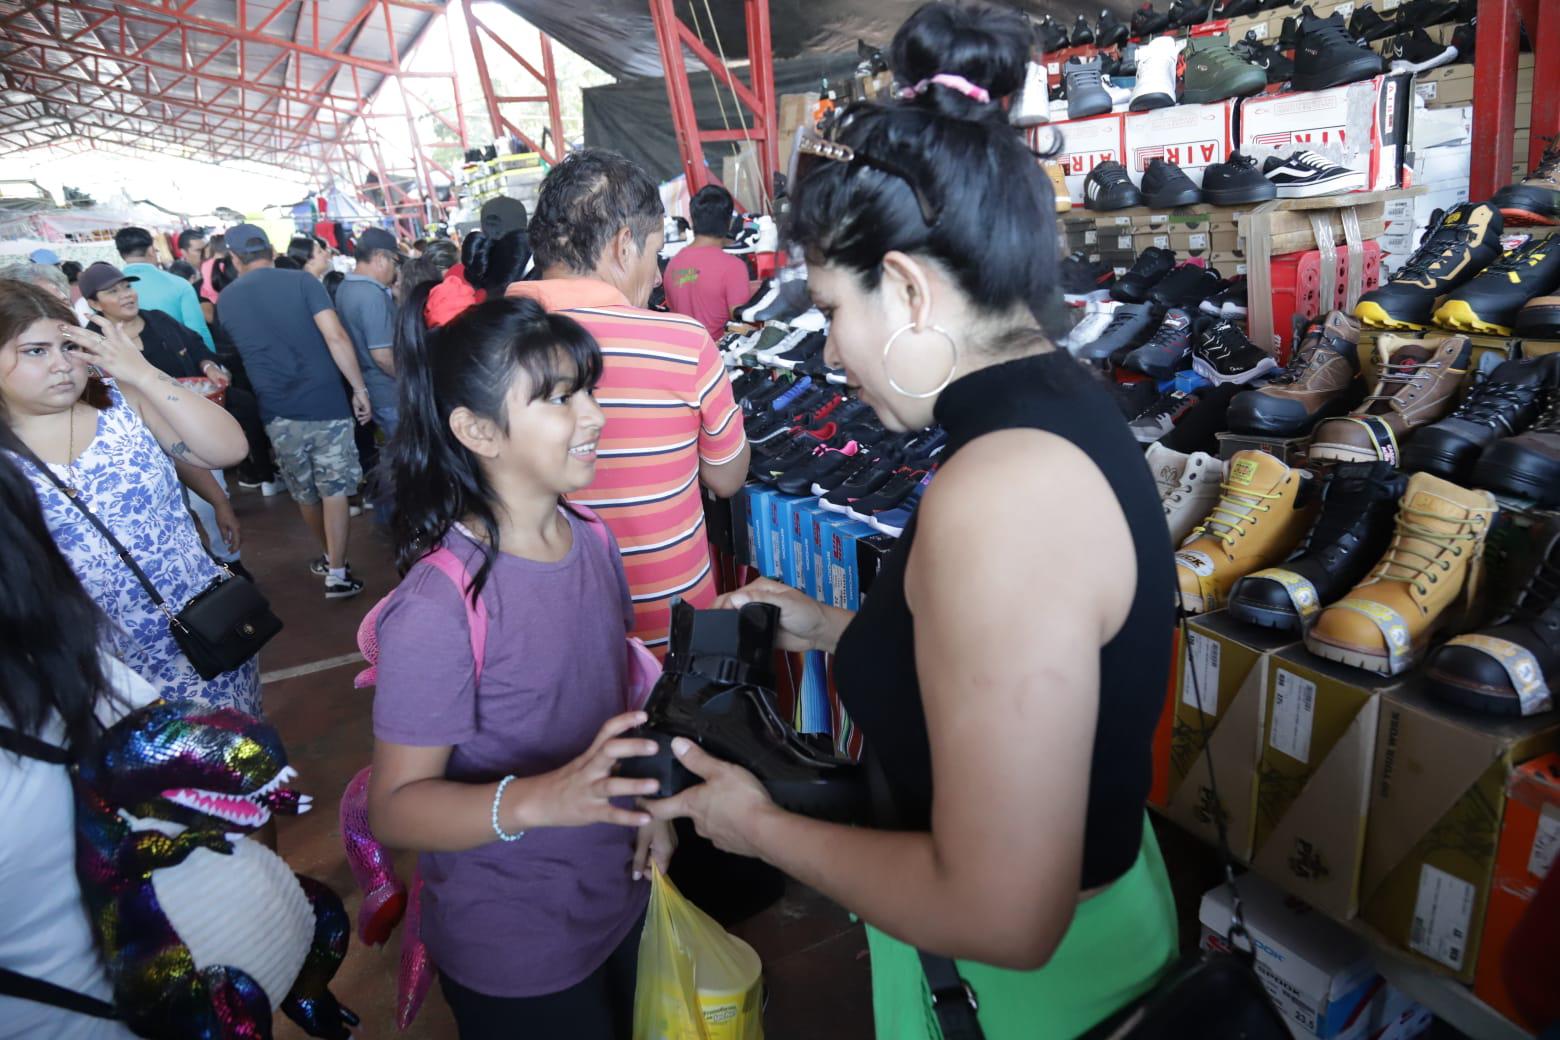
(1527, 218)
(1367, 660)
(1186, 197)
(1340, 77)
(1376, 316)
(1264, 617)
(1341, 453)
(1455, 314)
(1213, 375)
(1239, 196)
(1149, 102)
(1208, 97)
(1084, 299)
(1335, 186)
(343, 594)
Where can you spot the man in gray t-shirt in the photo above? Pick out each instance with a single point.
(367, 310)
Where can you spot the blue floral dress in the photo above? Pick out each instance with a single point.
(126, 479)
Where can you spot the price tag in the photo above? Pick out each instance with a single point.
(1294, 708)
(1202, 666)
(1546, 842)
(1123, 221)
(1090, 237)
(1345, 9)
(1259, 31)
(1197, 241)
(1162, 241)
(1442, 911)
(1124, 242)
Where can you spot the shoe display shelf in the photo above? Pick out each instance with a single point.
(1289, 450)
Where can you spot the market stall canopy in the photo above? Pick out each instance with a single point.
(618, 36)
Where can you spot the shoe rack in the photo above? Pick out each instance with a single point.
(1495, 89)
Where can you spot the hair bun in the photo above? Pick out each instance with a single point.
(987, 46)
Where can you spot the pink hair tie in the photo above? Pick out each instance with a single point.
(975, 93)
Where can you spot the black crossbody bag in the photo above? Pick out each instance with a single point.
(1211, 994)
(221, 627)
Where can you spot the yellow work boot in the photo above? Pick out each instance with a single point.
(1422, 585)
(1053, 170)
(1265, 508)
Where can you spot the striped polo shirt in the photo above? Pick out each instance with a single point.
(669, 406)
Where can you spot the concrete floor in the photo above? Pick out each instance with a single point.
(815, 958)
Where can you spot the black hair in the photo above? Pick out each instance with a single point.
(184, 269)
(254, 255)
(995, 230)
(132, 241)
(301, 248)
(282, 263)
(469, 245)
(333, 280)
(438, 256)
(470, 363)
(49, 663)
(586, 200)
(497, 262)
(711, 210)
(189, 235)
(223, 273)
(216, 245)
(72, 270)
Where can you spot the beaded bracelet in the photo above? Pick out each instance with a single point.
(498, 796)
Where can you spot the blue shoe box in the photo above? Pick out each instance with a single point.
(761, 544)
(844, 563)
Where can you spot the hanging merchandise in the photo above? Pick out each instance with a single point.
(696, 980)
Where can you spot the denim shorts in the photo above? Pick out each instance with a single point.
(318, 458)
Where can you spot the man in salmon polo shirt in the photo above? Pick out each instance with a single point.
(672, 423)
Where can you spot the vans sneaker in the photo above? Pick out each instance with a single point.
(1306, 175)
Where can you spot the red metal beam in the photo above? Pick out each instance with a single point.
(475, 29)
(1545, 124)
(1495, 94)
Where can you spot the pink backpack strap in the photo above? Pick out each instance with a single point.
(644, 668)
(452, 568)
(598, 525)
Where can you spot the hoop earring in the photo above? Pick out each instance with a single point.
(889, 347)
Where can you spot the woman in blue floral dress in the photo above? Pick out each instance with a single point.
(114, 442)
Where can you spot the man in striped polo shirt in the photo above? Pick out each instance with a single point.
(672, 422)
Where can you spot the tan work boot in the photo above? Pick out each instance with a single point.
(1265, 509)
(1422, 585)
(1536, 199)
(1316, 384)
(1418, 385)
(1058, 186)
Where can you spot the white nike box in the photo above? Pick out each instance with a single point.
(1192, 137)
(1363, 126)
(1085, 144)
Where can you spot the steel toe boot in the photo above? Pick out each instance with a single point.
(1353, 529)
(1265, 508)
(1421, 585)
(1511, 667)
(1418, 385)
(1189, 486)
(1503, 404)
(1537, 199)
(1491, 301)
(1318, 382)
(1527, 465)
(1465, 241)
(1540, 318)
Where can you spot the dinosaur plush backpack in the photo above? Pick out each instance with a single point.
(386, 899)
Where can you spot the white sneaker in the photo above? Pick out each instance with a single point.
(271, 487)
(1094, 322)
(1197, 492)
(1033, 104)
(812, 321)
(1155, 86)
(1118, 95)
(1167, 465)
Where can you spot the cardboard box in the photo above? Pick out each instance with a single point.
(1363, 126)
(1529, 839)
(1321, 976)
(819, 575)
(1228, 661)
(1192, 137)
(1452, 85)
(761, 555)
(1437, 803)
(1086, 144)
(804, 529)
(1313, 777)
(844, 563)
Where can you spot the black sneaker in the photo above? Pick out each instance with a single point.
(1167, 349)
(1327, 56)
(1130, 324)
(1459, 245)
(1082, 33)
(1166, 185)
(1415, 51)
(1108, 187)
(1223, 354)
(1306, 175)
(1365, 24)
(1236, 9)
(1199, 428)
(1504, 403)
(1236, 183)
(1482, 671)
(1161, 416)
(1146, 272)
(1490, 303)
(1147, 22)
(1187, 287)
(1347, 538)
(810, 347)
(1084, 280)
(1425, 14)
(343, 588)
(1111, 31)
(1272, 60)
(1053, 36)
(319, 566)
(1289, 35)
(1229, 302)
(1184, 14)
(784, 298)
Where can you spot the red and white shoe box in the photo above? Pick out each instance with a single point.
(1363, 126)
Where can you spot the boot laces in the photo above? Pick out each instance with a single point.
(1407, 565)
(1548, 420)
(1496, 404)
(1542, 591)
(1301, 360)
(1085, 74)
(1443, 246)
(1399, 374)
(1237, 506)
(1513, 261)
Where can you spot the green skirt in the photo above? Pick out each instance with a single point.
(1118, 945)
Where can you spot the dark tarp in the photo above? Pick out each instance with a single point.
(618, 35)
(633, 117)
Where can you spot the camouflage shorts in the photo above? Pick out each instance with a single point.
(317, 458)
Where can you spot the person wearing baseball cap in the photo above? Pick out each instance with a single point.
(296, 354)
(502, 215)
(159, 290)
(367, 308)
(44, 256)
(100, 276)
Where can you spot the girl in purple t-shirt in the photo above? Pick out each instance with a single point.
(533, 876)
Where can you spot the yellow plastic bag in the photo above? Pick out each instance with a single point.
(696, 980)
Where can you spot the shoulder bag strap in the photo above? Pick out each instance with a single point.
(16, 741)
(450, 565)
(124, 554)
(15, 984)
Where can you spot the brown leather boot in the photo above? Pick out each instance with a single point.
(1418, 385)
(1265, 509)
(1421, 586)
(1315, 385)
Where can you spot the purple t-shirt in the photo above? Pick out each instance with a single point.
(538, 915)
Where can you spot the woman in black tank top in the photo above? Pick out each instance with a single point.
(1010, 664)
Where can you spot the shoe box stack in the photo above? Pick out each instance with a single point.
(1372, 576)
